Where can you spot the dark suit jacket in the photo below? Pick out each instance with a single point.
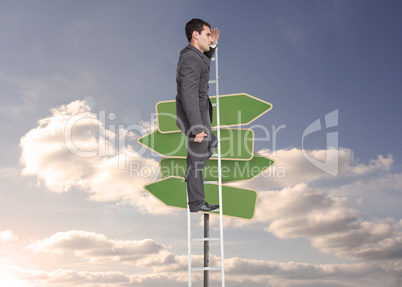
(193, 107)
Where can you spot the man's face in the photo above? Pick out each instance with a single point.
(204, 39)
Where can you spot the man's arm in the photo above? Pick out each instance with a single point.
(210, 53)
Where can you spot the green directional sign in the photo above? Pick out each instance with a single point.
(235, 144)
(235, 109)
(231, 169)
(237, 202)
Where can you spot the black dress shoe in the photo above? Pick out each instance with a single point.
(207, 207)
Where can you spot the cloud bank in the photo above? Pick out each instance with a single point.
(169, 269)
(73, 149)
(295, 200)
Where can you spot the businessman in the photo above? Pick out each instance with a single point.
(194, 109)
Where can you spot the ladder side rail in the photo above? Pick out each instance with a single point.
(219, 168)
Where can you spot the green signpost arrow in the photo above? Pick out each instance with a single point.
(232, 170)
(235, 144)
(235, 109)
(238, 202)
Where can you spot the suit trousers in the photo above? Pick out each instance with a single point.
(197, 158)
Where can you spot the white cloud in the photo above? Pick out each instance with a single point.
(238, 272)
(172, 268)
(325, 215)
(97, 248)
(291, 167)
(293, 209)
(376, 240)
(376, 185)
(303, 211)
(72, 149)
(381, 163)
(71, 277)
(169, 269)
(7, 237)
(328, 221)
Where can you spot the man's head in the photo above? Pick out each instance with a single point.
(198, 33)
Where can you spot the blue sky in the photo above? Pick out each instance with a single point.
(61, 215)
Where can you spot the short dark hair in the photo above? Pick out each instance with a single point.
(195, 25)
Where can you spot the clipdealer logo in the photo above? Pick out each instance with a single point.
(109, 145)
(330, 164)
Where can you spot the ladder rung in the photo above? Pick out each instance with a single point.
(213, 58)
(206, 268)
(206, 239)
(211, 182)
(214, 105)
(215, 154)
(211, 81)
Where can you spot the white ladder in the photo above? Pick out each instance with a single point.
(206, 239)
